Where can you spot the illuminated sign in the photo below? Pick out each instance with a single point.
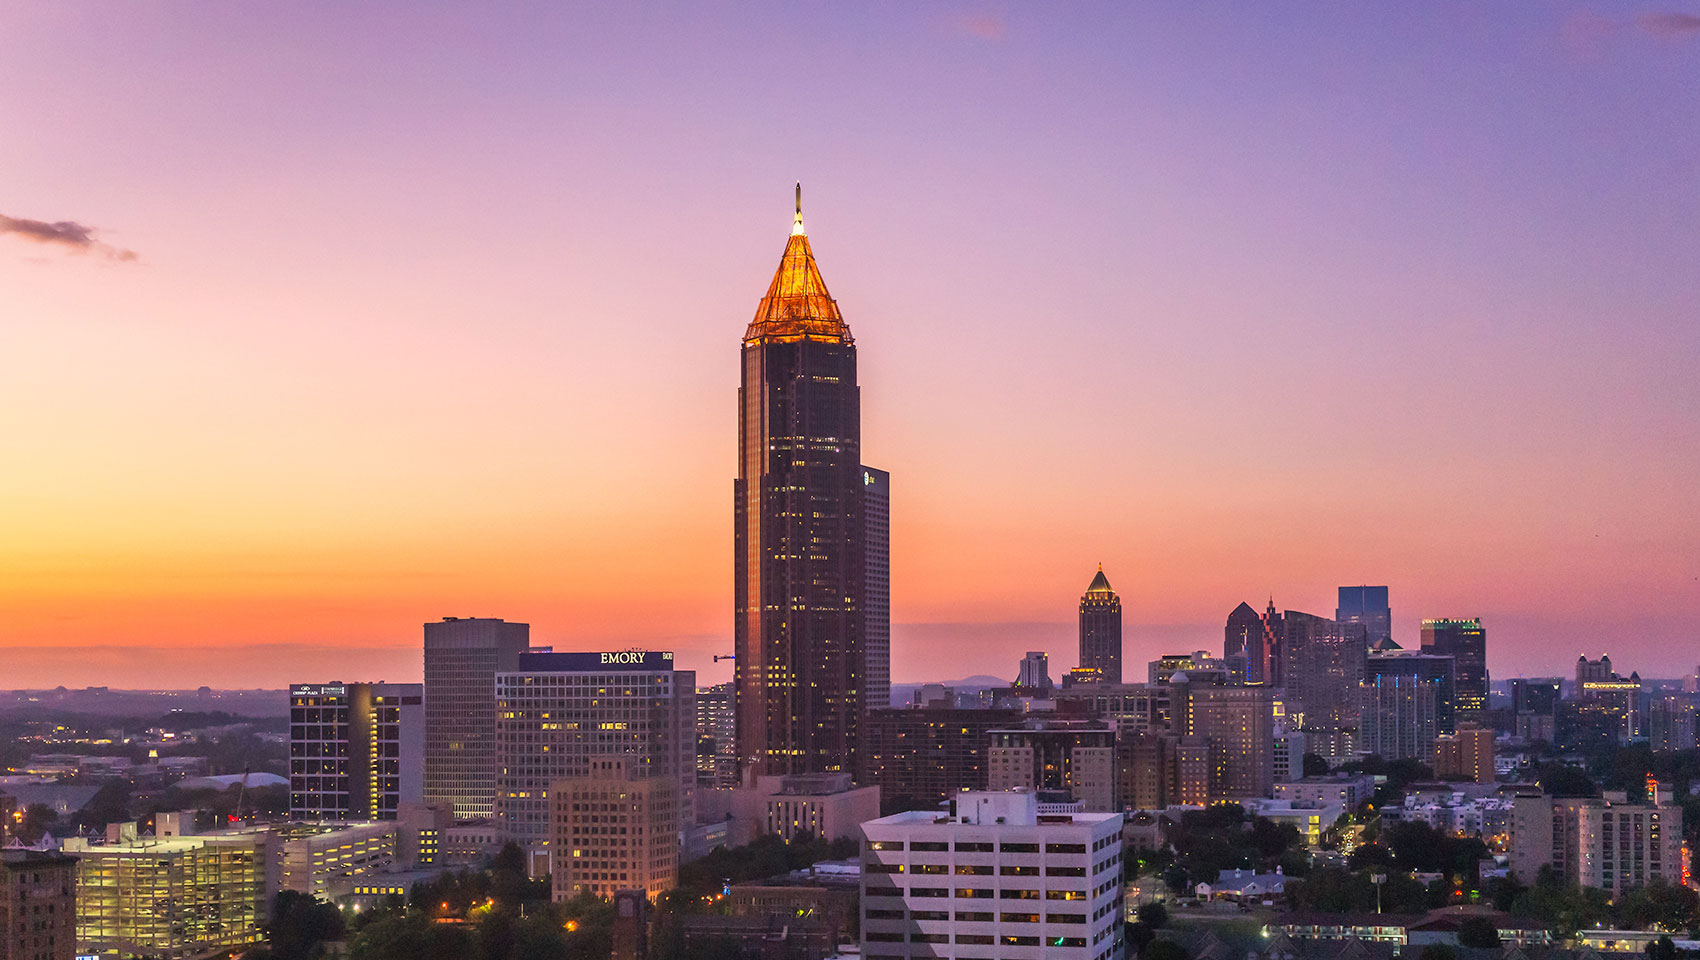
(591, 662)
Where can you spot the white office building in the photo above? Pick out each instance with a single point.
(993, 879)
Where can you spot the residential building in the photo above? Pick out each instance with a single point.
(561, 712)
(1670, 723)
(356, 750)
(1407, 703)
(1238, 724)
(614, 827)
(1147, 769)
(800, 614)
(1465, 755)
(1607, 843)
(919, 757)
(38, 905)
(1466, 643)
(876, 521)
(1101, 629)
(1077, 757)
(717, 744)
(462, 657)
(994, 879)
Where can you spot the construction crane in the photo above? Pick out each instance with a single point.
(241, 794)
(729, 656)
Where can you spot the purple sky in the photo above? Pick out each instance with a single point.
(435, 310)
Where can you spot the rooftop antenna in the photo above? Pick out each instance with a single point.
(797, 226)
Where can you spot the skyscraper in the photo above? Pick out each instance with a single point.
(1243, 635)
(1466, 643)
(799, 557)
(356, 750)
(1101, 628)
(1408, 701)
(1324, 669)
(876, 630)
(462, 657)
(1368, 606)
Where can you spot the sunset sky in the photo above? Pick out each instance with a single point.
(391, 312)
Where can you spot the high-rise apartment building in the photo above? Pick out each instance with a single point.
(356, 750)
(920, 757)
(1534, 707)
(1034, 674)
(876, 584)
(717, 746)
(1238, 724)
(1607, 703)
(1146, 769)
(994, 879)
(1367, 606)
(1670, 723)
(1465, 755)
(799, 555)
(462, 658)
(1078, 758)
(559, 712)
(1606, 843)
(1101, 629)
(1466, 643)
(38, 905)
(1325, 669)
(614, 827)
(1407, 703)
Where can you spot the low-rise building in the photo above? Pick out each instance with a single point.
(1348, 790)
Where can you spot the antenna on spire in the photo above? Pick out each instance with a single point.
(797, 227)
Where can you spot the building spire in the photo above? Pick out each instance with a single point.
(797, 226)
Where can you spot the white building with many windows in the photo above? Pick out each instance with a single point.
(993, 880)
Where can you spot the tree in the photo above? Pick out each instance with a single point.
(1154, 915)
(410, 937)
(1478, 932)
(299, 923)
(1438, 951)
(1139, 936)
(1661, 949)
(1658, 904)
(1315, 766)
(1164, 950)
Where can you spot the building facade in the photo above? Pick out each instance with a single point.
(1325, 669)
(920, 757)
(1534, 707)
(1407, 703)
(876, 584)
(559, 713)
(1237, 727)
(1465, 755)
(614, 828)
(996, 880)
(356, 750)
(799, 555)
(1101, 629)
(1466, 643)
(1368, 607)
(717, 745)
(1608, 843)
(462, 657)
(38, 905)
(1079, 758)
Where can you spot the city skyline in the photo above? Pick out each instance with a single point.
(310, 385)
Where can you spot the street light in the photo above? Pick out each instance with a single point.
(1378, 879)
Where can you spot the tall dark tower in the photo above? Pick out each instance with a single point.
(799, 562)
(1101, 628)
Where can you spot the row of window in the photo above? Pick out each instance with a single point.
(963, 916)
(976, 893)
(976, 870)
(978, 938)
(983, 846)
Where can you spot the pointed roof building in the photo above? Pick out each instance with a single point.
(797, 305)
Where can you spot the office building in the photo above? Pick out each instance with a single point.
(1466, 643)
(1194, 664)
(799, 555)
(1325, 669)
(1147, 770)
(38, 905)
(1289, 756)
(356, 750)
(920, 757)
(876, 584)
(1607, 843)
(717, 745)
(1235, 726)
(173, 898)
(1465, 755)
(995, 879)
(462, 657)
(1606, 704)
(1242, 638)
(1367, 606)
(1670, 723)
(560, 712)
(1101, 629)
(1034, 675)
(614, 827)
(1534, 707)
(825, 805)
(1077, 758)
(1133, 706)
(1407, 703)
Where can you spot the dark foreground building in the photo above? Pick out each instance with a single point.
(799, 547)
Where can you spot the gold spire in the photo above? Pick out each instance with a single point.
(1100, 583)
(797, 305)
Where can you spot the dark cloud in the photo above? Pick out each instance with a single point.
(1669, 24)
(64, 233)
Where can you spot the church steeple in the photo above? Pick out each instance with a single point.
(797, 305)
